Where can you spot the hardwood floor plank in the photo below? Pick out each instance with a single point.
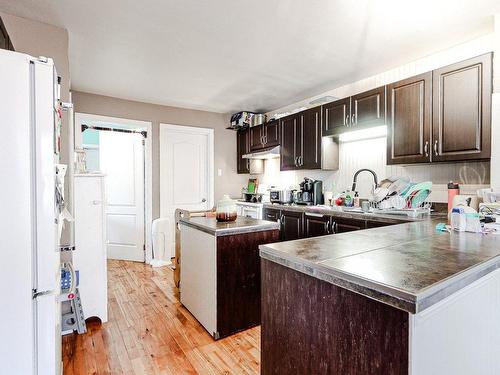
(150, 332)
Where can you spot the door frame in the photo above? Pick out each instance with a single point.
(82, 118)
(164, 129)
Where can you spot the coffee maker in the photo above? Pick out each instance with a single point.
(310, 193)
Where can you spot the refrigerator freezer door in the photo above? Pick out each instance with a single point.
(16, 282)
(47, 257)
(46, 252)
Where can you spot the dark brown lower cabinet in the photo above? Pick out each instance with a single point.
(238, 280)
(375, 224)
(292, 225)
(310, 326)
(272, 214)
(317, 225)
(342, 225)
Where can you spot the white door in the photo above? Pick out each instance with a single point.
(186, 173)
(121, 158)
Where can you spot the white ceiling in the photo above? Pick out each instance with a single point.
(229, 55)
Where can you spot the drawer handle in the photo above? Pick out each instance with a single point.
(313, 214)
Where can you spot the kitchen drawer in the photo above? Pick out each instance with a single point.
(271, 214)
(342, 225)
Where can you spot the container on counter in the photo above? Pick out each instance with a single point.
(226, 209)
(453, 189)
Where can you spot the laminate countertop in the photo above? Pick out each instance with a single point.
(409, 266)
(347, 214)
(210, 225)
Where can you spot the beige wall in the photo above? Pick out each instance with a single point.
(225, 140)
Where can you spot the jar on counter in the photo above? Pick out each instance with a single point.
(226, 209)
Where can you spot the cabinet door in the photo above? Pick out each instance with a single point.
(242, 145)
(4, 37)
(272, 133)
(271, 214)
(316, 224)
(462, 110)
(368, 108)
(376, 224)
(288, 150)
(336, 116)
(291, 225)
(409, 120)
(309, 139)
(342, 225)
(256, 138)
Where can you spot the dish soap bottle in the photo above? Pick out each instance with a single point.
(356, 199)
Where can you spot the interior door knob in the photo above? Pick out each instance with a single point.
(203, 200)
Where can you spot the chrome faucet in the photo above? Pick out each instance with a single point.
(354, 182)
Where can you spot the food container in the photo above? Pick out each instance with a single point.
(258, 119)
(226, 209)
(241, 119)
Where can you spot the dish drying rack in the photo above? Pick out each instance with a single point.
(423, 209)
(403, 198)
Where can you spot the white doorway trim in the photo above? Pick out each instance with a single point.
(164, 128)
(85, 118)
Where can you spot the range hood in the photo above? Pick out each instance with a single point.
(269, 153)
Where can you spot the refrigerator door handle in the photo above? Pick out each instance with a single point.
(36, 294)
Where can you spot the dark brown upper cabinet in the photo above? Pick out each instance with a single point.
(301, 140)
(368, 108)
(310, 139)
(409, 106)
(264, 136)
(336, 116)
(5, 42)
(272, 133)
(361, 110)
(256, 136)
(242, 148)
(462, 110)
(288, 151)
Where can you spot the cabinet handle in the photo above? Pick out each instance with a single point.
(347, 121)
(426, 148)
(313, 214)
(296, 161)
(354, 119)
(328, 226)
(300, 161)
(436, 147)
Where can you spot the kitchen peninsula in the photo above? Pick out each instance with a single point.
(220, 271)
(400, 299)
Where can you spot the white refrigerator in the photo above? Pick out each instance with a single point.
(30, 316)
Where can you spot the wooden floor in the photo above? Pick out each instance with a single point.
(149, 332)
